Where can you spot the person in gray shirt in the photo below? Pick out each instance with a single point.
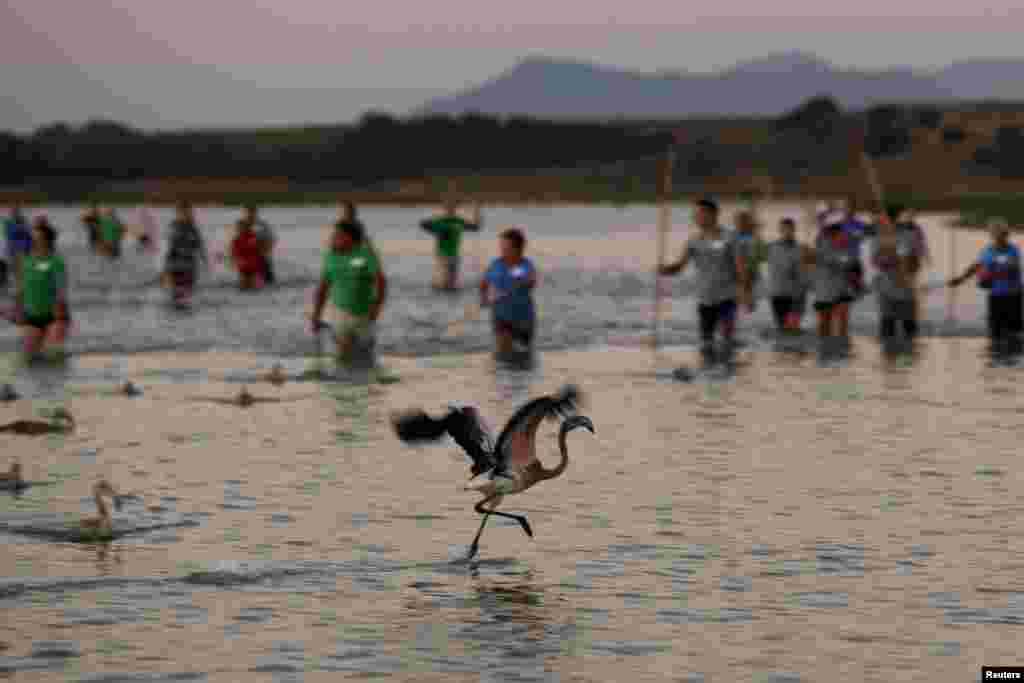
(722, 280)
(831, 283)
(897, 254)
(788, 278)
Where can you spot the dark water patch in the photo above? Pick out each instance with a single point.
(944, 600)
(1008, 616)
(288, 657)
(103, 616)
(627, 648)
(737, 584)
(840, 560)
(704, 616)
(633, 552)
(13, 665)
(59, 649)
(142, 677)
(822, 600)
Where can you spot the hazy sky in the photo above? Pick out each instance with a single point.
(183, 63)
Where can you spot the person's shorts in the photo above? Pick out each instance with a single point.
(827, 306)
(520, 331)
(348, 324)
(445, 269)
(40, 322)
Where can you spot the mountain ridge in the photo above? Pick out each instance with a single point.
(549, 87)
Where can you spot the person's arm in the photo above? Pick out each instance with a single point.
(382, 295)
(477, 223)
(61, 285)
(971, 271)
(677, 266)
(485, 289)
(743, 278)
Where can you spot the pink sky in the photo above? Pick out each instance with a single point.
(328, 31)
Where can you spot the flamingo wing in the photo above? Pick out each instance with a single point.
(515, 448)
(463, 424)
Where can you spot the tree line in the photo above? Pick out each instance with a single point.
(811, 139)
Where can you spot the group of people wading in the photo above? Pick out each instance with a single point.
(352, 288)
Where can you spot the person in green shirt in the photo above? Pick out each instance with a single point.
(111, 234)
(42, 310)
(448, 228)
(353, 282)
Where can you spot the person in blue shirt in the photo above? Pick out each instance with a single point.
(507, 287)
(999, 271)
(18, 236)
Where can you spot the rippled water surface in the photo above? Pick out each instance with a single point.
(790, 523)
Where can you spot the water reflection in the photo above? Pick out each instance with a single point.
(515, 376)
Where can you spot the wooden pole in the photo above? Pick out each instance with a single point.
(951, 291)
(664, 226)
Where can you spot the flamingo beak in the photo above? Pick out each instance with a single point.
(580, 421)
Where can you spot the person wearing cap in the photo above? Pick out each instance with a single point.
(999, 271)
(788, 282)
(353, 282)
(722, 280)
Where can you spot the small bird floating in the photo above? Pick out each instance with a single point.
(7, 393)
(62, 423)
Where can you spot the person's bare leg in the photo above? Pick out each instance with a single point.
(346, 345)
(56, 333)
(33, 340)
(503, 342)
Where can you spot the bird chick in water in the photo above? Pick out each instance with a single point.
(101, 524)
(62, 422)
(7, 393)
(276, 376)
(129, 389)
(13, 476)
(244, 398)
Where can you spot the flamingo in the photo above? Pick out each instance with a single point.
(12, 478)
(509, 465)
(101, 524)
(63, 423)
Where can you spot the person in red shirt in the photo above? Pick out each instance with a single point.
(247, 255)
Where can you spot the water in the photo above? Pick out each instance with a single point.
(785, 525)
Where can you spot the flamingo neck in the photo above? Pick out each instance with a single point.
(102, 507)
(563, 463)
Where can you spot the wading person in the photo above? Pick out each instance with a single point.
(507, 288)
(185, 249)
(18, 236)
(897, 257)
(831, 286)
(247, 256)
(41, 298)
(722, 281)
(352, 282)
(91, 223)
(999, 271)
(448, 228)
(111, 234)
(266, 238)
(788, 278)
(751, 248)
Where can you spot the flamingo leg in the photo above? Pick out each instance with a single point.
(479, 508)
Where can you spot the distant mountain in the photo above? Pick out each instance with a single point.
(765, 87)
